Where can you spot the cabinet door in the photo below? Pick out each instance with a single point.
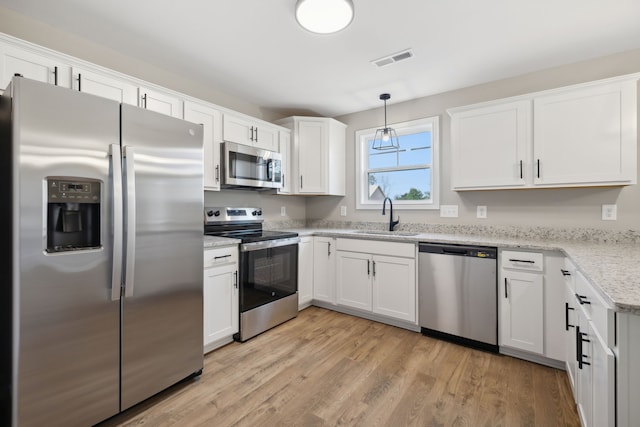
(586, 136)
(571, 321)
(285, 152)
(31, 66)
(266, 137)
(354, 279)
(248, 132)
(584, 373)
(312, 156)
(521, 308)
(220, 294)
(394, 287)
(211, 121)
(324, 269)
(603, 368)
(305, 271)
(160, 102)
(489, 146)
(104, 86)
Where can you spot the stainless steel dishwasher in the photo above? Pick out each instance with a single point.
(458, 294)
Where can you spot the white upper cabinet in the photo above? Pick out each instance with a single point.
(31, 66)
(582, 135)
(160, 102)
(211, 121)
(490, 148)
(586, 135)
(247, 131)
(318, 155)
(285, 151)
(105, 86)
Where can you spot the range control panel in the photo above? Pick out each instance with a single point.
(217, 214)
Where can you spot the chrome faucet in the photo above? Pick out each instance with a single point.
(392, 223)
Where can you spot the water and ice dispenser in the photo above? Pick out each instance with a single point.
(73, 214)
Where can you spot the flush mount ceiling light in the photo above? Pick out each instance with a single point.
(324, 16)
(386, 138)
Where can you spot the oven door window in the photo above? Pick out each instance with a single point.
(268, 275)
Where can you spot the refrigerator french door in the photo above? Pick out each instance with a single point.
(104, 210)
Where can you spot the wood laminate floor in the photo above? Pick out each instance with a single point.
(329, 369)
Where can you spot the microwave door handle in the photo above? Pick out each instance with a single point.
(116, 275)
(129, 160)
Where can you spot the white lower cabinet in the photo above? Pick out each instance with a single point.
(370, 281)
(305, 271)
(521, 311)
(324, 269)
(220, 296)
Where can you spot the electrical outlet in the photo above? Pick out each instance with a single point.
(481, 212)
(609, 212)
(343, 211)
(283, 211)
(449, 211)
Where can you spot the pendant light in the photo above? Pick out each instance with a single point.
(324, 16)
(386, 138)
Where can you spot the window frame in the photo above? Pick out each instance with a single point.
(362, 167)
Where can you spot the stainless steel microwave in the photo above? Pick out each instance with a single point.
(244, 166)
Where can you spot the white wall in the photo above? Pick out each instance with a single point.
(580, 207)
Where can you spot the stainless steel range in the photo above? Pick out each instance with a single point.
(268, 268)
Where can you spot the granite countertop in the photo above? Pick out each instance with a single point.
(215, 241)
(613, 268)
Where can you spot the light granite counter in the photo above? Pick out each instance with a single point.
(610, 262)
(215, 241)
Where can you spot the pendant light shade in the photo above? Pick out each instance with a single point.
(386, 137)
(324, 16)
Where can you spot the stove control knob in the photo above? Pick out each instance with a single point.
(216, 213)
(254, 213)
(209, 213)
(260, 213)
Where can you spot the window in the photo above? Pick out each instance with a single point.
(407, 175)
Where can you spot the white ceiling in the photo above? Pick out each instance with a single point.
(254, 49)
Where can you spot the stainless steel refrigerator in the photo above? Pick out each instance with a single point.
(103, 216)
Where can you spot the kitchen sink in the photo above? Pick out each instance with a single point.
(387, 233)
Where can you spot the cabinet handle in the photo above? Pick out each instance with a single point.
(300, 181)
(217, 173)
(256, 133)
(566, 316)
(55, 75)
(506, 287)
(368, 268)
(582, 299)
(374, 268)
(222, 256)
(520, 169)
(79, 82)
(283, 184)
(538, 168)
(251, 134)
(528, 261)
(235, 279)
(144, 100)
(581, 355)
(565, 272)
(328, 248)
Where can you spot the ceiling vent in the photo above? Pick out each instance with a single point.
(393, 58)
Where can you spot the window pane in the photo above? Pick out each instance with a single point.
(382, 159)
(412, 184)
(415, 149)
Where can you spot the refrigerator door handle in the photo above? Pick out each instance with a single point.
(116, 276)
(130, 175)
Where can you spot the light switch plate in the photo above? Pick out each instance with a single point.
(343, 211)
(283, 211)
(448, 211)
(609, 212)
(481, 212)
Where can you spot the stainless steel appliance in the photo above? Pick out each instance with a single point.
(244, 166)
(103, 212)
(268, 268)
(458, 294)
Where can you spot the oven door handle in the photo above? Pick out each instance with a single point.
(266, 244)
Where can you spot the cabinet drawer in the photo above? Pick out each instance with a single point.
(595, 309)
(525, 261)
(220, 256)
(377, 247)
